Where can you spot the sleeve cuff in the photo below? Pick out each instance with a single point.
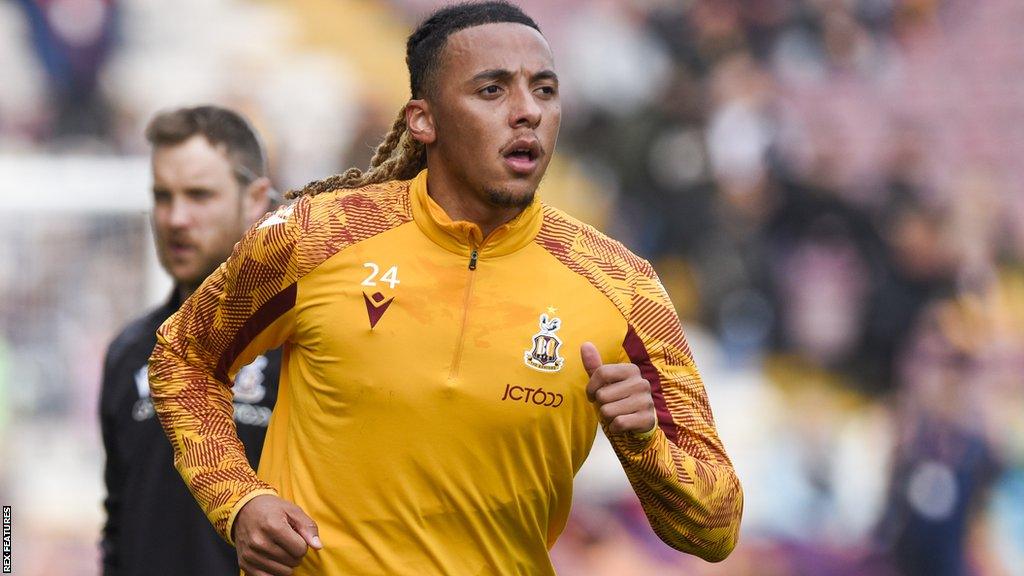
(230, 529)
(636, 442)
(648, 434)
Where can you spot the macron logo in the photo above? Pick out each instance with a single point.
(376, 305)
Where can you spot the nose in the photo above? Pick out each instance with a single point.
(179, 215)
(524, 111)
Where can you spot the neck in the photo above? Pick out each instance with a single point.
(185, 291)
(462, 203)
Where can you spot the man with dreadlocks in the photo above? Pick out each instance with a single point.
(432, 412)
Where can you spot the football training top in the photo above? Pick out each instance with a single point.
(432, 408)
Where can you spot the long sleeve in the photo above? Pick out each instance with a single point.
(681, 473)
(244, 308)
(112, 477)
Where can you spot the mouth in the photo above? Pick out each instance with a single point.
(522, 155)
(180, 249)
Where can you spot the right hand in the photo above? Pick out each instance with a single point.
(272, 535)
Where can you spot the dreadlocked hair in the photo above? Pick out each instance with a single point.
(399, 156)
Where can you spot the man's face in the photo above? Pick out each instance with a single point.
(199, 209)
(496, 110)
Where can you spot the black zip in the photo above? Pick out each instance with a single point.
(453, 374)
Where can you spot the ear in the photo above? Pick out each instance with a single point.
(420, 122)
(256, 199)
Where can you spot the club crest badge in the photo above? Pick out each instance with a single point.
(543, 355)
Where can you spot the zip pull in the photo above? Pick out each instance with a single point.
(472, 259)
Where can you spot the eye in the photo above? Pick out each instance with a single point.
(199, 194)
(548, 90)
(490, 90)
(161, 196)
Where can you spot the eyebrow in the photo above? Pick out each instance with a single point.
(502, 74)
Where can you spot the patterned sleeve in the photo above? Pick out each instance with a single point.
(244, 308)
(680, 471)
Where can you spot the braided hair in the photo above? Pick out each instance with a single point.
(399, 156)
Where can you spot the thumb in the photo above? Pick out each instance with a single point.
(591, 358)
(305, 526)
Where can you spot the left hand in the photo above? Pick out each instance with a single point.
(622, 396)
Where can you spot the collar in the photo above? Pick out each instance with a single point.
(174, 301)
(462, 236)
(159, 314)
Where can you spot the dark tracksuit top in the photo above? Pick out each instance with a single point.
(153, 525)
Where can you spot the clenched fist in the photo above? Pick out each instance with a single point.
(272, 535)
(622, 396)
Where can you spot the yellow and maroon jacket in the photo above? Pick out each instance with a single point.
(432, 409)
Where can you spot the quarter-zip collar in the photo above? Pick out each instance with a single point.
(461, 237)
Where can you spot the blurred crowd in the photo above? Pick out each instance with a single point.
(830, 190)
(841, 217)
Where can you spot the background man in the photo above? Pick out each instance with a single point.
(209, 185)
(432, 310)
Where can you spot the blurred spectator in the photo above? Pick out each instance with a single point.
(73, 39)
(955, 435)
